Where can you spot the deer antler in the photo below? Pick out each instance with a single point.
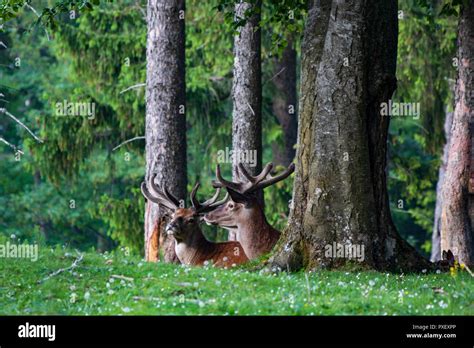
(209, 204)
(159, 195)
(252, 183)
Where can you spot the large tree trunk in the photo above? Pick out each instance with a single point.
(458, 188)
(284, 105)
(340, 194)
(247, 90)
(165, 118)
(436, 237)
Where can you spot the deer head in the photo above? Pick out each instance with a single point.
(243, 206)
(183, 222)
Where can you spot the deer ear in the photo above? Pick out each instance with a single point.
(236, 196)
(445, 255)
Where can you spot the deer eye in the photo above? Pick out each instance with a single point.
(191, 220)
(230, 205)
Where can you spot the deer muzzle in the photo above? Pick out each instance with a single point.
(171, 229)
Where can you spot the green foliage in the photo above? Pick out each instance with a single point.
(76, 161)
(425, 71)
(282, 19)
(9, 9)
(93, 288)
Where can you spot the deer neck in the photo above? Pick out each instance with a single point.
(194, 248)
(256, 235)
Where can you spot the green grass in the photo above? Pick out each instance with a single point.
(92, 288)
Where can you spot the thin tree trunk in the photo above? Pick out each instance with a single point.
(43, 225)
(284, 105)
(247, 90)
(458, 188)
(340, 195)
(165, 117)
(436, 237)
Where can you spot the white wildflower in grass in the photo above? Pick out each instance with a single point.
(72, 287)
(201, 304)
(443, 304)
(87, 295)
(196, 284)
(429, 306)
(140, 264)
(423, 270)
(371, 282)
(13, 236)
(110, 292)
(438, 271)
(126, 310)
(107, 285)
(122, 282)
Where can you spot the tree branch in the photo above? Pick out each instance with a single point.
(128, 141)
(11, 145)
(133, 87)
(4, 111)
(38, 15)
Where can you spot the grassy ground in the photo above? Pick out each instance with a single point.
(111, 284)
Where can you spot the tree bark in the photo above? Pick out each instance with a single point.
(165, 116)
(247, 89)
(436, 237)
(340, 192)
(458, 201)
(284, 105)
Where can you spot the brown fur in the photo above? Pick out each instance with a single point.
(193, 248)
(255, 234)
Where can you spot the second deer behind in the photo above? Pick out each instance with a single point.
(243, 213)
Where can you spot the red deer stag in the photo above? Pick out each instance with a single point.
(191, 247)
(243, 212)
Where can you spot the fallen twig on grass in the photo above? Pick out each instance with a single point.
(138, 298)
(121, 277)
(61, 270)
